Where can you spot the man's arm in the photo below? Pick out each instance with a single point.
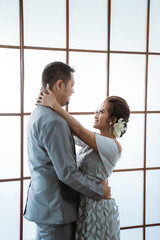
(56, 139)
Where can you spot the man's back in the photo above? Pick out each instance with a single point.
(50, 201)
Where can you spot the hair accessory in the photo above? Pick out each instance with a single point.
(119, 127)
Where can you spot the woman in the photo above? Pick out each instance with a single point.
(97, 158)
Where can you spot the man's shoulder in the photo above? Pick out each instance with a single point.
(45, 116)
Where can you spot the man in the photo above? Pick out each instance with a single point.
(53, 196)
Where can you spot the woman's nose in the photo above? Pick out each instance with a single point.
(96, 116)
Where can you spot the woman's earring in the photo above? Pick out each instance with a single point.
(110, 123)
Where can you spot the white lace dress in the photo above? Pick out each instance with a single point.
(97, 220)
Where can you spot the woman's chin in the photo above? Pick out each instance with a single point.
(95, 126)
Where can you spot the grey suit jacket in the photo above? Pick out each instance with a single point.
(55, 180)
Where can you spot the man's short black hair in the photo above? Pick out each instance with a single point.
(55, 71)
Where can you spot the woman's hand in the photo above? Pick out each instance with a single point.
(47, 99)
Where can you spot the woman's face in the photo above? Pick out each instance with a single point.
(101, 117)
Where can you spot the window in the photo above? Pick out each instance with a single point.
(115, 50)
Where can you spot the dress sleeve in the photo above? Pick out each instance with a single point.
(79, 142)
(108, 151)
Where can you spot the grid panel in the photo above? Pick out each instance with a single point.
(67, 50)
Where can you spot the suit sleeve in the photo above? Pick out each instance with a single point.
(57, 142)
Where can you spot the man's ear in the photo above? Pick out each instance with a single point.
(58, 85)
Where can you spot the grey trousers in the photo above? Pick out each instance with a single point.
(56, 232)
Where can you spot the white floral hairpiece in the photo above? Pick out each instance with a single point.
(119, 127)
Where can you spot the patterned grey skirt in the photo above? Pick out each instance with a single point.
(97, 220)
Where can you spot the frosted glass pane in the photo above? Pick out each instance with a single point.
(154, 83)
(88, 24)
(127, 189)
(153, 132)
(45, 23)
(10, 80)
(90, 81)
(132, 150)
(29, 228)
(154, 30)
(35, 61)
(152, 233)
(128, 25)
(132, 234)
(10, 147)
(87, 121)
(127, 79)
(9, 209)
(9, 22)
(153, 197)
(26, 169)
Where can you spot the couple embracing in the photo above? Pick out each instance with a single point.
(68, 196)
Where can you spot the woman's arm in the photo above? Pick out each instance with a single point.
(85, 135)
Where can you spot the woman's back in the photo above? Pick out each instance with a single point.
(97, 219)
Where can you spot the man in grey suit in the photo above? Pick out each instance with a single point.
(53, 193)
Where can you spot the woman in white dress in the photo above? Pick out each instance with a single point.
(97, 220)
